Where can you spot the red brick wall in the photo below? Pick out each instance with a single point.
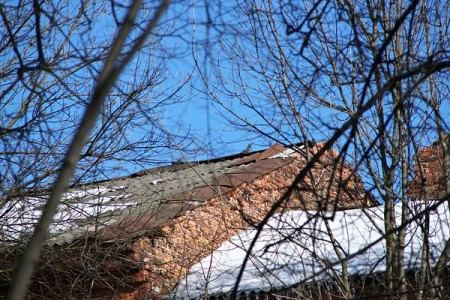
(197, 233)
(429, 173)
(148, 266)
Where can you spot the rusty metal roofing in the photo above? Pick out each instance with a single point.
(173, 192)
(149, 199)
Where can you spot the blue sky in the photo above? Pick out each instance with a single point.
(197, 113)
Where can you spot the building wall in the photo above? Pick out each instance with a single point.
(195, 235)
(150, 265)
(429, 173)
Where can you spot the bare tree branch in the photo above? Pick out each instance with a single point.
(108, 76)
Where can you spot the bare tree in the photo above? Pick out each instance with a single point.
(96, 69)
(51, 54)
(369, 77)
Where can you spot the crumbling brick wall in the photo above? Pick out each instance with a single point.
(168, 257)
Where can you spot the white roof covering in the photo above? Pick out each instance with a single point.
(296, 247)
(85, 209)
(20, 216)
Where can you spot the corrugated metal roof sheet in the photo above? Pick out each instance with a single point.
(142, 202)
(160, 194)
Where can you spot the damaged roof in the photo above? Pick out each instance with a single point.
(142, 201)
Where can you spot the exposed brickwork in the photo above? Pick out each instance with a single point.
(149, 265)
(200, 231)
(429, 172)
